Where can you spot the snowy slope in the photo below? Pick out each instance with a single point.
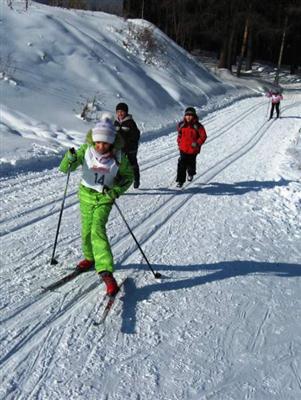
(55, 61)
(224, 321)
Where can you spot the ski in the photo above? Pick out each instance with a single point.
(108, 306)
(67, 278)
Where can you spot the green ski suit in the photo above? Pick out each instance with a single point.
(95, 208)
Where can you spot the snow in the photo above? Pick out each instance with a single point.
(224, 320)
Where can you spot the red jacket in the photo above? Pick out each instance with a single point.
(191, 136)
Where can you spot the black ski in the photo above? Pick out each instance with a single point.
(109, 305)
(65, 279)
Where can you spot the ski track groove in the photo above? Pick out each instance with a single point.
(258, 337)
(145, 166)
(150, 220)
(296, 373)
(245, 309)
(178, 203)
(206, 122)
(32, 181)
(74, 203)
(40, 251)
(231, 124)
(35, 220)
(44, 329)
(35, 366)
(36, 362)
(173, 204)
(37, 333)
(234, 122)
(41, 297)
(51, 203)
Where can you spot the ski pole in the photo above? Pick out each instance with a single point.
(267, 113)
(156, 274)
(53, 261)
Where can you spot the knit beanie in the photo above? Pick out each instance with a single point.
(190, 111)
(104, 131)
(122, 106)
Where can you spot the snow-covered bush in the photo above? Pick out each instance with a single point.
(141, 41)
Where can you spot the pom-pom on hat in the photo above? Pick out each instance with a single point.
(104, 131)
(106, 115)
(190, 111)
(122, 106)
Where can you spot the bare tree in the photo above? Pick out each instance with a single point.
(281, 50)
(243, 46)
(249, 57)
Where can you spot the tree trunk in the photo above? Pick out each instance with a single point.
(142, 10)
(231, 53)
(281, 51)
(223, 55)
(249, 58)
(243, 47)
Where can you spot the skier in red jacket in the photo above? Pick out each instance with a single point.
(191, 136)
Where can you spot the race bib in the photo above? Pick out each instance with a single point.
(99, 170)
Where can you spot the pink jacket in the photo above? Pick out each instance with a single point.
(276, 97)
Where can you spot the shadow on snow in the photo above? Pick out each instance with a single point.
(215, 272)
(215, 188)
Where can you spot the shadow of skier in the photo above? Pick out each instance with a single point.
(216, 272)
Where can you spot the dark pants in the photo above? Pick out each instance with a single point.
(132, 157)
(186, 163)
(276, 105)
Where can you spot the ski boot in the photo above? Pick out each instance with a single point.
(85, 265)
(110, 282)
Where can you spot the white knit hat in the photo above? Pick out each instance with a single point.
(104, 131)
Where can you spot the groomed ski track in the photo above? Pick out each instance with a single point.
(220, 244)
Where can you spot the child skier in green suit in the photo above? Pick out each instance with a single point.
(106, 174)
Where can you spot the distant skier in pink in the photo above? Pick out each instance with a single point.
(276, 97)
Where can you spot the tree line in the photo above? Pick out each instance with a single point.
(237, 30)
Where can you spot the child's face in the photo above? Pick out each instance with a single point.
(189, 118)
(102, 147)
(120, 114)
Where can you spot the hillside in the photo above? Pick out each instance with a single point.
(62, 60)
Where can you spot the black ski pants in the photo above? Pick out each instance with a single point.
(186, 164)
(276, 105)
(132, 157)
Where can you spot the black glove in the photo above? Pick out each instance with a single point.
(71, 155)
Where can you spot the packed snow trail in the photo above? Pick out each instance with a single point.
(218, 325)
